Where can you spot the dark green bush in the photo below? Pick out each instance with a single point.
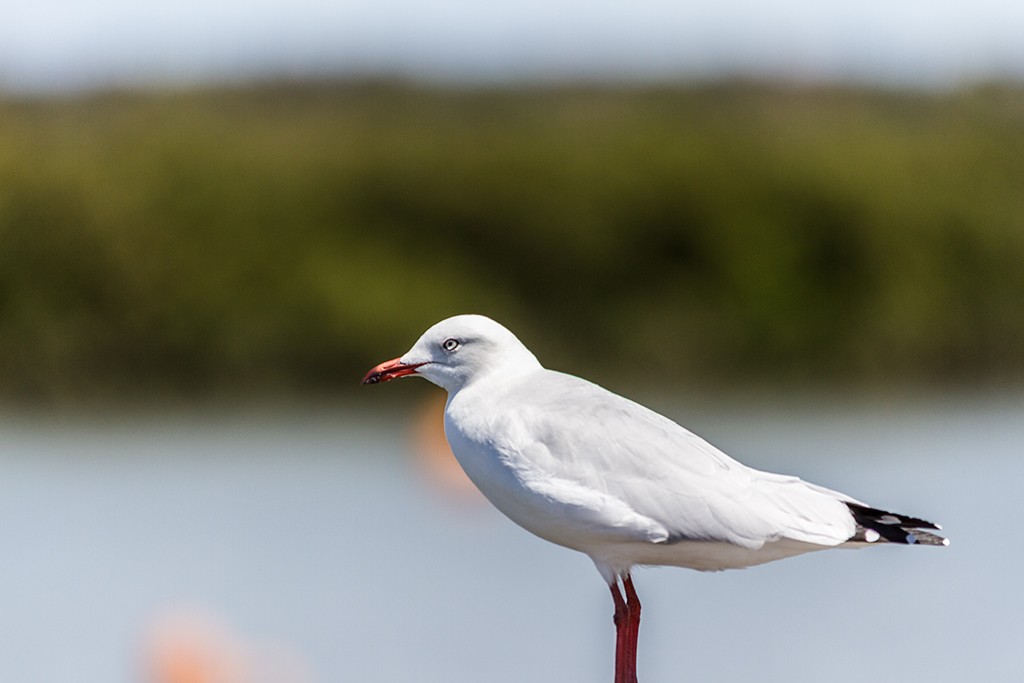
(285, 236)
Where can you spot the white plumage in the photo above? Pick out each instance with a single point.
(588, 469)
(591, 470)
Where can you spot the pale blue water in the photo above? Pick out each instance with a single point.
(317, 537)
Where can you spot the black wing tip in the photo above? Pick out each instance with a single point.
(875, 525)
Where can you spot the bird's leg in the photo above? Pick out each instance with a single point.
(621, 618)
(633, 631)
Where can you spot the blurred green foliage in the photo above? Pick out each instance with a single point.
(285, 236)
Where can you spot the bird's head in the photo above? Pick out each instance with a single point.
(457, 351)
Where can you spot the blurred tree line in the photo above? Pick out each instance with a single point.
(282, 237)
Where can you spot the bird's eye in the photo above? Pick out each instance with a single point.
(450, 344)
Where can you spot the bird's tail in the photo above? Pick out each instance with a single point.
(875, 525)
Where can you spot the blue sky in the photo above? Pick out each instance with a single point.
(58, 44)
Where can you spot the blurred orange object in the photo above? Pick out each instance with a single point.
(194, 646)
(430, 446)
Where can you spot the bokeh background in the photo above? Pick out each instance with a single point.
(798, 230)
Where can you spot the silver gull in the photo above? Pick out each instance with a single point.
(590, 470)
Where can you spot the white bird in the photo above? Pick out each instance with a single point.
(590, 470)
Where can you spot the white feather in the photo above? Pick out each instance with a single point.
(585, 468)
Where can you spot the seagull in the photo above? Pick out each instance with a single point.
(585, 468)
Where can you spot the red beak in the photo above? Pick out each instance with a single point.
(389, 370)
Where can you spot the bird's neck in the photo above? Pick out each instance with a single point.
(496, 379)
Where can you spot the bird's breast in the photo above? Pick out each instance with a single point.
(492, 468)
(514, 473)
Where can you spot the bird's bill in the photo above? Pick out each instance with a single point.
(389, 370)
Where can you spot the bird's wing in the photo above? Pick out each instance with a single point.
(588, 439)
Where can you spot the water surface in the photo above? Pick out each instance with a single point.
(318, 547)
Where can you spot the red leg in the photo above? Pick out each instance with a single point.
(633, 631)
(621, 619)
